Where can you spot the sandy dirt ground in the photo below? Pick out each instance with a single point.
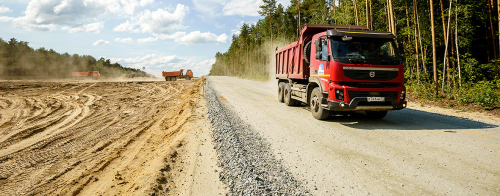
(105, 137)
(414, 151)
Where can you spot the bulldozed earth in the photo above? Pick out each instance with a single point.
(106, 138)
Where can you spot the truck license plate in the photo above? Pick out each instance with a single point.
(376, 99)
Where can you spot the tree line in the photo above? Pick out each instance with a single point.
(451, 46)
(19, 60)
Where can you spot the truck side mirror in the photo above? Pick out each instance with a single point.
(317, 43)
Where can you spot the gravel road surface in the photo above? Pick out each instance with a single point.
(249, 168)
(410, 152)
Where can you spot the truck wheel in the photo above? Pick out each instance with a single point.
(174, 78)
(166, 78)
(288, 95)
(188, 78)
(281, 87)
(317, 111)
(376, 114)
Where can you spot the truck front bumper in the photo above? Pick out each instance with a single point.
(362, 104)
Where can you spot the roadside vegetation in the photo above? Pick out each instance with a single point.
(19, 60)
(451, 47)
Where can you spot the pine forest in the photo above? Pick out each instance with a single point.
(451, 47)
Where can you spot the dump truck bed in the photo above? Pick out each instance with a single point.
(76, 74)
(290, 62)
(171, 73)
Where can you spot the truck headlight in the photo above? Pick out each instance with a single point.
(339, 94)
(403, 95)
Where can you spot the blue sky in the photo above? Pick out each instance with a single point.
(157, 34)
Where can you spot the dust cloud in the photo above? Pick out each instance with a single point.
(272, 82)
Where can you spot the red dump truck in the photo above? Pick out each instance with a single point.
(174, 75)
(89, 74)
(342, 68)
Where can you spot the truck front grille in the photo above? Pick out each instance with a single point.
(375, 75)
(354, 94)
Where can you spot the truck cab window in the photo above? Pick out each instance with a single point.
(324, 50)
(369, 49)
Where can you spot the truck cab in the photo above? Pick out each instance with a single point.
(344, 68)
(95, 74)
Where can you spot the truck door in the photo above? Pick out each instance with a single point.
(320, 64)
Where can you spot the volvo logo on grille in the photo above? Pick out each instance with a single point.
(372, 74)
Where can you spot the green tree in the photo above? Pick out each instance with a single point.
(268, 9)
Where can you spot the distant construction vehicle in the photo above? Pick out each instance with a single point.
(174, 75)
(90, 74)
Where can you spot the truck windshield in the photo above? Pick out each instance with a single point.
(363, 48)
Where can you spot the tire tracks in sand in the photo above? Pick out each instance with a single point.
(102, 138)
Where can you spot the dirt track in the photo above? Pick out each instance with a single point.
(93, 138)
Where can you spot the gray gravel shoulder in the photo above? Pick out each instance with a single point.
(248, 165)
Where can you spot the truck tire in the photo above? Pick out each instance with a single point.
(173, 78)
(188, 78)
(281, 88)
(288, 95)
(307, 52)
(166, 78)
(376, 114)
(317, 111)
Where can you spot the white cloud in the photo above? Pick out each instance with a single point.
(203, 68)
(242, 7)
(219, 26)
(159, 21)
(196, 37)
(193, 38)
(215, 8)
(155, 64)
(237, 31)
(285, 3)
(208, 8)
(5, 19)
(100, 43)
(238, 27)
(207, 62)
(154, 60)
(47, 15)
(146, 40)
(124, 40)
(171, 36)
(161, 36)
(146, 2)
(4, 9)
(92, 27)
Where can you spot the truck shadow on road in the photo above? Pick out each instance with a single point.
(408, 119)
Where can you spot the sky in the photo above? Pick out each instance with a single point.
(160, 35)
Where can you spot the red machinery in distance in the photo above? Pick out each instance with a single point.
(174, 75)
(90, 74)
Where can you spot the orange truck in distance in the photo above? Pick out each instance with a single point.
(174, 75)
(90, 74)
